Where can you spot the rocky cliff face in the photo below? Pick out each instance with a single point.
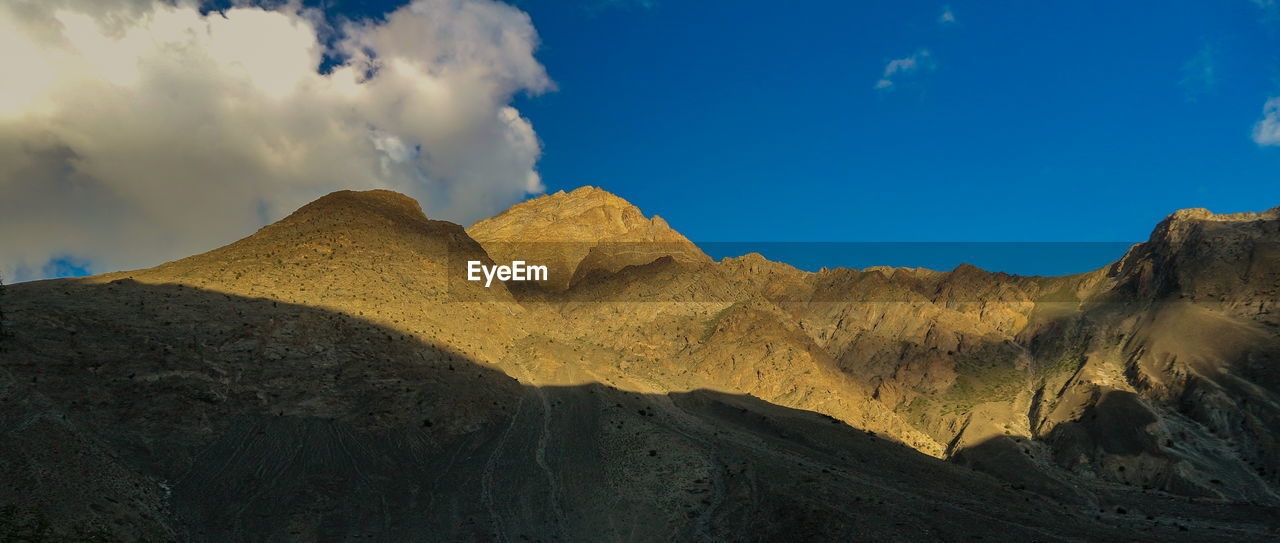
(1156, 372)
(327, 379)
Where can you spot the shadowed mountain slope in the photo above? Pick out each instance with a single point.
(286, 422)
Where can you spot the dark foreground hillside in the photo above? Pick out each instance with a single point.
(170, 412)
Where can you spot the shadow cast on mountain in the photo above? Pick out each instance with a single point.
(166, 412)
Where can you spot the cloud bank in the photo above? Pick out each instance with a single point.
(134, 132)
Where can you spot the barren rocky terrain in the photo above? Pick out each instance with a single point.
(330, 378)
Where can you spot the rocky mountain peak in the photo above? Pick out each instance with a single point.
(587, 214)
(580, 231)
(344, 237)
(1198, 254)
(1177, 226)
(357, 208)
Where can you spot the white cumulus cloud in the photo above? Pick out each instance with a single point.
(133, 132)
(1267, 131)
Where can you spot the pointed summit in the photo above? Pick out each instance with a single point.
(587, 214)
(581, 231)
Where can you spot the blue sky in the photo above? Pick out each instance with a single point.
(1025, 121)
(1035, 121)
(911, 121)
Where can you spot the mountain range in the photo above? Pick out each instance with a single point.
(332, 378)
